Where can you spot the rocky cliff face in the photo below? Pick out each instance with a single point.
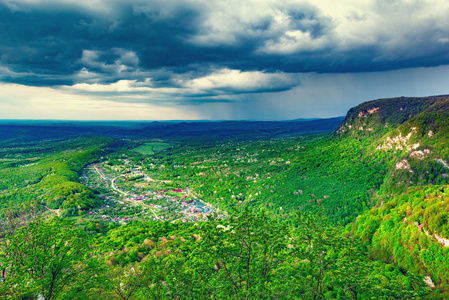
(377, 117)
(409, 224)
(409, 134)
(420, 143)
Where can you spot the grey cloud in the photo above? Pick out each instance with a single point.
(164, 44)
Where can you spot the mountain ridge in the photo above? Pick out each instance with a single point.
(382, 115)
(408, 225)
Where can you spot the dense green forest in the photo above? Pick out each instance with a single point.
(358, 213)
(47, 173)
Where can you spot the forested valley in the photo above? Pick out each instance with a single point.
(357, 211)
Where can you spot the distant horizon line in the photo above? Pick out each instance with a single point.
(176, 120)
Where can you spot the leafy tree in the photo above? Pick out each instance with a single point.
(328, 264)
(50, 259)
(245, 258)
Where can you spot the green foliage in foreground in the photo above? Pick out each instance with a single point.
(50, 259)
(248, 256)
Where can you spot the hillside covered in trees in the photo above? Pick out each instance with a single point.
(139, 213)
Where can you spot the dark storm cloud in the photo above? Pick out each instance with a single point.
(60, 41)
(170, 44)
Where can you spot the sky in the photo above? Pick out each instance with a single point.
(216, 59)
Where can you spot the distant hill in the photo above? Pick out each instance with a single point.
(239, 129)
(26, 130)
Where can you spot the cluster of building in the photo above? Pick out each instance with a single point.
(177, 200)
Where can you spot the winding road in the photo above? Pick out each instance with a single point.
(114, 187)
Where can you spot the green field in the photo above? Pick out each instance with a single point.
(150, 148)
